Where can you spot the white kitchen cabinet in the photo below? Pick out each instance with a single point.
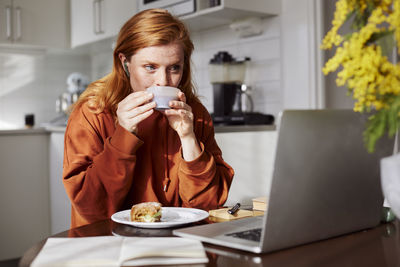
(24, 191)
(251, 155)
(229, 11)
(94, 20)
(42, 23)
(6, 23)
(60, 206)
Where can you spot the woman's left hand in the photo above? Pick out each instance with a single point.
(180, 116)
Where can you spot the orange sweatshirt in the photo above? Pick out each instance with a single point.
(108, 169)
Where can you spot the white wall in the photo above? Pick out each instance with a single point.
(284, 71)
(302, 79)
(31, 81)
(264, 68)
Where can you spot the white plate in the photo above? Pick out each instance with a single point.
(171, 216)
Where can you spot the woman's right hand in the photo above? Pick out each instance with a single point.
(135, 108)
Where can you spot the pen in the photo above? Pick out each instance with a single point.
(234, 209)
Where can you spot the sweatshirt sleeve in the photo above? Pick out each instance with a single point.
(206, 180)
(97, 170)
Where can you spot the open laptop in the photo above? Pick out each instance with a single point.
(324, 184)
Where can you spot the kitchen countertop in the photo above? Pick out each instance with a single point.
(243, 128)
(61, 129)
(55, 128)
(24, 131)
(36, 130)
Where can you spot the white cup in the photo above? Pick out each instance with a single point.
(162, 96)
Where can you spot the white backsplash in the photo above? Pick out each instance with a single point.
(263, 72)
(31, 81)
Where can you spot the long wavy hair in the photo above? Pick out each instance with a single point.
(150, 27)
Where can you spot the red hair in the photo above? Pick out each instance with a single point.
(150, 27)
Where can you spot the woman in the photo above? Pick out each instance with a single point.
(119, 151)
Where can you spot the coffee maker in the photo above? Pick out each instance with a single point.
(232, 100)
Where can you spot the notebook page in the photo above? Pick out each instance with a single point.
(161, 250)
(80, 251)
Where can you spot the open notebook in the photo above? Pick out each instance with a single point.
(119, 251)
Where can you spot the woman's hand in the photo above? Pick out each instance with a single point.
(135, 108)
(180, 118)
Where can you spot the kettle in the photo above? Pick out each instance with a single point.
(65, 101)
(243, 100)
(77, 83)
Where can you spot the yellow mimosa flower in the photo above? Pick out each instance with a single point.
(371, 79)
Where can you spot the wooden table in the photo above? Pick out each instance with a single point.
(379, 247)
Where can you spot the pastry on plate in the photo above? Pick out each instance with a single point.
(146, 212)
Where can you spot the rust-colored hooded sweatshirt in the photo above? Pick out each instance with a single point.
(108, 169)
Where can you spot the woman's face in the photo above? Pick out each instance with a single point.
(156, 65)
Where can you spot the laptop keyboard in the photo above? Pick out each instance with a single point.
(253, 234)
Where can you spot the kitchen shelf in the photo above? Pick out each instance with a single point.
(229, 11)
